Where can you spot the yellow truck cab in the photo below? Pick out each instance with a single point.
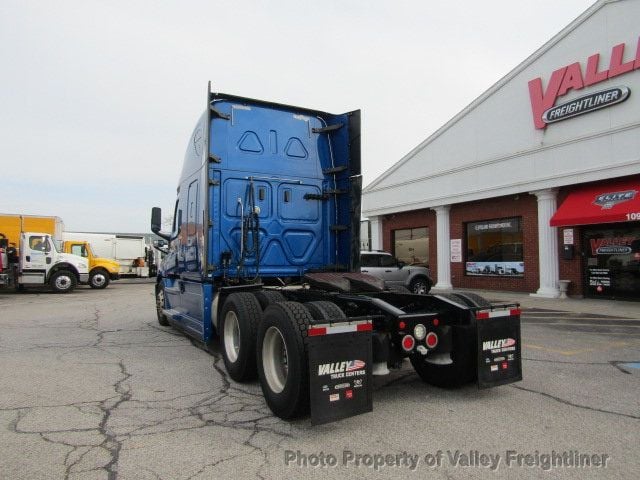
(101, 270)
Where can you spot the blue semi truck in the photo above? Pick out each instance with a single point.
(263, 259)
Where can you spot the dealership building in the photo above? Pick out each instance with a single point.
(536, 184)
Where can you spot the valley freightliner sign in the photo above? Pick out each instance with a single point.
(572, 77)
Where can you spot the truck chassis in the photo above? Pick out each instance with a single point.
(451, 339)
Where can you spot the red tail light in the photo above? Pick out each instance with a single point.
(408, 342)
(431, 340)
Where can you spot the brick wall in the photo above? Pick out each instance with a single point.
(523, 205)
(571, 269)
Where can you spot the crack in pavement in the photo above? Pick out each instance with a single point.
(572, 404)
(227, 406)
(111, 443)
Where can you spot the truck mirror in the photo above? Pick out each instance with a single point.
(156, 222)
(156, 219)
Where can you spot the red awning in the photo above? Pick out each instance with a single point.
(610, 202)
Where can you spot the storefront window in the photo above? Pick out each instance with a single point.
(613, 261)
(494, 247)
(411, 245)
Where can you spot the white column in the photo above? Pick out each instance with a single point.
(376, 233)
(443, 248)
(547, 244)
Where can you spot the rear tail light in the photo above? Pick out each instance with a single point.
(436, 322)
(432, 340)
(408, 342)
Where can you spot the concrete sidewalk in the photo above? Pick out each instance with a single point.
(613, 308)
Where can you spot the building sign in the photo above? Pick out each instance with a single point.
(456, 250)
(568, 236)
(571, 77)
(586, 104)
(611, 245)
(599, 279)
(609, 200)
(506, 225)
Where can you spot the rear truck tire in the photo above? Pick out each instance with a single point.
(239, 320)
(268, 297)
(420, 285)
(99, 278)
(162, 318)
(283, 366)
(324, 310)
(63, 281)
(461, 371)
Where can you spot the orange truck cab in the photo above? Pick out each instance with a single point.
(101, 270)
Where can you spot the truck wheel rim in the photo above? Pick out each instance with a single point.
(160, 300)
(98, 279)
(63, 282)
(231, 336)
(420, 288)
(275, 359)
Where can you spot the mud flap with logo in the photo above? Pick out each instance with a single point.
(340, 372)
(499, 350)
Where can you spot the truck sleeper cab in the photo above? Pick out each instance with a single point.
(264, 253)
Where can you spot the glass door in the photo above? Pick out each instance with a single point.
(612, 261)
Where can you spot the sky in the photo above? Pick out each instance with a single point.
(98, 99)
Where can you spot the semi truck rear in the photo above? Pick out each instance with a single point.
(264, 255)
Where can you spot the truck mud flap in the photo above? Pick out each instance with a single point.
(340, 370)
(499, 348)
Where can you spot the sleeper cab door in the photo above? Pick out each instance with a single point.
(190, 274)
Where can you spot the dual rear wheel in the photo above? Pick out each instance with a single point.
(265, 335)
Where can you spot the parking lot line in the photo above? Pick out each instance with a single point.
(607, 346)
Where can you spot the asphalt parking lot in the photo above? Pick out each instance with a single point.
(94, 388)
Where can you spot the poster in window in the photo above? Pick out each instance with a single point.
(494, 247)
